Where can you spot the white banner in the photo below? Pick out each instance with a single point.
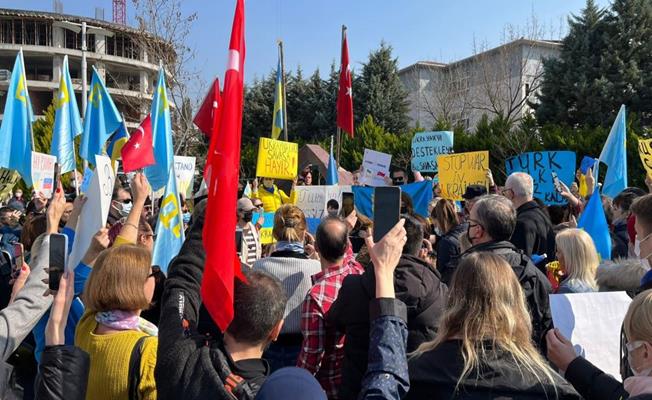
(312, 199)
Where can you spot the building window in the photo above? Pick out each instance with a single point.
(90, 42)
(72, 40)
(122, 46)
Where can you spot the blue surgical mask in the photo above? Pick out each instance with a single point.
(186, 217)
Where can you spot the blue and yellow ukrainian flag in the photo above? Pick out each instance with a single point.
(594, 222)
(169, 227)
(158, 174)
(116, 143)
(16, 130)
(278, 123)
(67, 122)
(101, 120)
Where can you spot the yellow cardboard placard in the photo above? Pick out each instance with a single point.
(645, 152)
(457, 171)
(277, 159)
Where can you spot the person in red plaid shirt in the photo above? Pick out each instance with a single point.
(322, 350)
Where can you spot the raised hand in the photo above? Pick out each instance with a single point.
(55, 210)
(140, 188)
(55, 329)
(385, 256)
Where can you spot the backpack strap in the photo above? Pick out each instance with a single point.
(134, 369)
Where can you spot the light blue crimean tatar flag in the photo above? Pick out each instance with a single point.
(169, 227)
(158, 174)
(332, 177)
(67, 122)
(594, 222)
(100, 121)
(16, 130)
(614, 154)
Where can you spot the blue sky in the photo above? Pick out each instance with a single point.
(417, 29)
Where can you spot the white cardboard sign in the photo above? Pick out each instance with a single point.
(43, 173)
(96, 209)
(592, 322)
(184, 169)
(375, 168)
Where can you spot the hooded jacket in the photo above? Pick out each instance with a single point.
(434, 375)
(534, 283)
(417, 284)
(533, 232)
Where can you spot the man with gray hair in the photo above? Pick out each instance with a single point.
(533, 232)
(491, 224)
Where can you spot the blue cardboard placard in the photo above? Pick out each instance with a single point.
(540, 165)
(426, 146)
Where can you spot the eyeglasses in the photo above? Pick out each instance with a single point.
(631, 346)
(473, 224)
(506, 191)
(125, 201)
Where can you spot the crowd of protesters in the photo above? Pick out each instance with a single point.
(455, 305)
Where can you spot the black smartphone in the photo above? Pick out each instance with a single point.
(387, 208)
(58, 259)
(55, 184)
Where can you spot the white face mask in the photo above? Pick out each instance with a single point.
(630, 348)
(637, 250)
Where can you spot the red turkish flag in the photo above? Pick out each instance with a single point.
(138, 152)
(223, 165)
(345, 94)
(207, 118)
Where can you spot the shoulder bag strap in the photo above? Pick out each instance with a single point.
(134, 369)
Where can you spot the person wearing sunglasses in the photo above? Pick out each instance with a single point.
(399, 177)
(120, 205)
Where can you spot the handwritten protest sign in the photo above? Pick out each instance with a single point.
(426, 146)
(540, 165)
(96, 208)
(265, 233)
(592, 322)
(277, 159)
(645, 151)
(43, 173)
(313, 199)
(8, 179)
(457, 171)
(184, 168)
(375, 168)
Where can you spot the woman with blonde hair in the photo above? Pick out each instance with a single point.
(112, 331)
(294, 268)
(483, 348)
(578, 260)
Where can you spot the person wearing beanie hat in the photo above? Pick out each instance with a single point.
(289, 383)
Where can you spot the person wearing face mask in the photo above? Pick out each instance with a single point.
(120, 204)
(271, 196)
(589, 380)
(491, 224)
(251, 249)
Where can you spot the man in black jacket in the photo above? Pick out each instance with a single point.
(491, 224)
(418, 285)
(199, 366)
(533, 232)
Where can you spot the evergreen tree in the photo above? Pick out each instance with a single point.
(628, 62)
(574, 85)
(379, 92)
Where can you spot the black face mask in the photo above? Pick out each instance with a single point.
(404, 210)
(248, 216)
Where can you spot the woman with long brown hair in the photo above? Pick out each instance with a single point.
(448, 229)
(483, 348)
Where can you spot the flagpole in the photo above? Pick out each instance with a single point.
(339, 130)
(84, 69)
(285, 105)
